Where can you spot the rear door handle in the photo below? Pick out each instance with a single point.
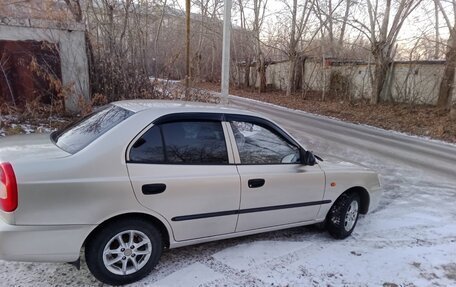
(154, 188)
(256, 182)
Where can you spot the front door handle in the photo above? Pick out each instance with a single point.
(154, 188)
(256, 182)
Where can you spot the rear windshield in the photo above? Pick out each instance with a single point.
(81, 133)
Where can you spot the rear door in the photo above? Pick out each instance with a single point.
(181, 169)
(276, 189)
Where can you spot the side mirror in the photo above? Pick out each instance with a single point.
(307, 157)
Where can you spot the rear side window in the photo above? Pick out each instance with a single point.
(81, 133)
(195, 143)
(186, 142)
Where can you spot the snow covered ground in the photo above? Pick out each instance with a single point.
(410, 240)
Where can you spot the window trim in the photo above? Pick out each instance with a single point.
(137, 137)
(233, 145)
(187, 117)
(190, 116)
(230, 141)
(134, 140)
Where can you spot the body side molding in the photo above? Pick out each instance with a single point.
(248, 210)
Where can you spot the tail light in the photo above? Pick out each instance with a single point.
(8, 188)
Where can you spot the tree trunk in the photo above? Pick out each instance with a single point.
(453, 113)
(213, 53)
(303, 78)
(291, 75)
(247, 74)
(380, 76)
(156, 41)
(379, 80)
(261, 74)
(292, 50)
(90, 60)
(446, 85)
(329, 19)
(298, 74)
(437, 32)
(344, 24)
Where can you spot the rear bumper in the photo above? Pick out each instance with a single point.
(42, 243)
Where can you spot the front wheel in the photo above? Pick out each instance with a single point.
(343, 215)
(123, 252)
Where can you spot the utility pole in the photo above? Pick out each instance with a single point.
(187, 48)
(226, 51)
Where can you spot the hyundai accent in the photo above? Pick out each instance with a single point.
(137, 177)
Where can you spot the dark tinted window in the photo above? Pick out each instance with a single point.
(149, 148)
(78, 135)
(259, 145)
(195, 143)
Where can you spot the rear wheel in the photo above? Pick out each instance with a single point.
(343, 215)
(123, 252)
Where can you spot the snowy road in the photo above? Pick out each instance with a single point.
(410, 240)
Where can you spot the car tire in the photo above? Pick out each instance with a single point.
(343, 215)
(124, 251)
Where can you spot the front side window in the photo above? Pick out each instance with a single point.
(191, 142)
(259, 145)
(79, 134)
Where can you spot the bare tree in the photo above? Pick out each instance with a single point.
(447, 83)
(117, 32)
(298, 24)
(259, 11)
(333, 20)
(207, 31)
(242, 44)
(437, 31)
(348, 5)
(325, 12)
(157, 36)
(382, 34)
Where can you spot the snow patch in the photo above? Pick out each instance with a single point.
(193, 275)
(357, 264)
(246, 256)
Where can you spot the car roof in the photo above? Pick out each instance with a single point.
(167, 107)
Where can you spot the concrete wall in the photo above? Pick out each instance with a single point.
(278, 76)
(71, 41)
(417, 83)
(414, 82)
(316, 77)
(411, 82)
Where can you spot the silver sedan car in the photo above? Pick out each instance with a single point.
(136, 177)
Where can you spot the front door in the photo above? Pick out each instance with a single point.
(276, 189)
(181, 170)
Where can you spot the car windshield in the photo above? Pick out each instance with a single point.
(81, 133)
